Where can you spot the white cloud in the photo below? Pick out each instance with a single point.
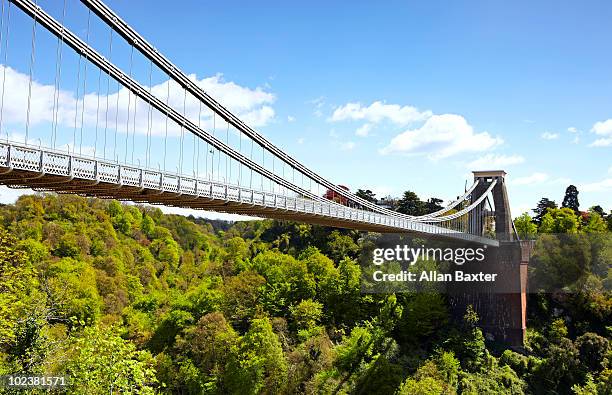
(47, 103)
(258, 117)
(379, 111)
(490, 161)
(300, 140)
(610, 170)
(561, 181)
(347, 146)
(572, 130)
(603, 128)
(441, 136)
(290, 118)
(318, 103)
(535, 178)
(603, 185)
(232, 95)
(519, 209)
(576, 140)
(549, 136)
(364, 130)
(42, 100)
(603, 142)
(10, 195)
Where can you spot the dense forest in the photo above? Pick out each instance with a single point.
(122, 298)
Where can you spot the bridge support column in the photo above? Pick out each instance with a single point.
(500, 305)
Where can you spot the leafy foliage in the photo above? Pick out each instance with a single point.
(101, 362)
(126, 299)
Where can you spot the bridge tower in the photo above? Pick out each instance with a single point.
(501, 305)
(504, 229)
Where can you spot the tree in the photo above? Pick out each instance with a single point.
(472, 351)
(432, 205)
(589, 388)
(340, 246)
(241, 296)
(356, 347)
(17, 283)
(559, 220)
(560, 261)
(31, 343)
(237, 251)
(307, 314)
(494, 380)
(595, 223)
(165, 248)
(423, 386)
(366, 194)
(287, 281)
(168, 329)
(593, 350)
(560, 367)
(525, 227)
(381, 377)
(571, 199)
(309, 358)
(435, 376)
(147, 225)
(101, 362)
(73, 282)
(326, 275)
(599, 210)
(259, 361)
(424, 314)
(208, 344)
(543, 206)
(67, 247)
(410, 204)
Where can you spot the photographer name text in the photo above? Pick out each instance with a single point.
(433, 276)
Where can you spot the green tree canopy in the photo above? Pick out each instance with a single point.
(525, 227)
(259, 361)
(366, 194)
(411, 204)
(561, 220)
(543, 206)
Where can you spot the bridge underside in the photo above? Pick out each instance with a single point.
(23, 179)
(47, 170)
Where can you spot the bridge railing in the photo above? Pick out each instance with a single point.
(15, 157)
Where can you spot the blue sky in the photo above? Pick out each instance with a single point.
(412, 95)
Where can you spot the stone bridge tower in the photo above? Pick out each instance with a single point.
(504, 228)
(501, 305)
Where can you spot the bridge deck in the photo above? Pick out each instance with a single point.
(26, 166)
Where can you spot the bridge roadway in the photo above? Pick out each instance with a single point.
(43, 169)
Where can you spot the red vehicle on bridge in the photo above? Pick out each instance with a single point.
(332, 195)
